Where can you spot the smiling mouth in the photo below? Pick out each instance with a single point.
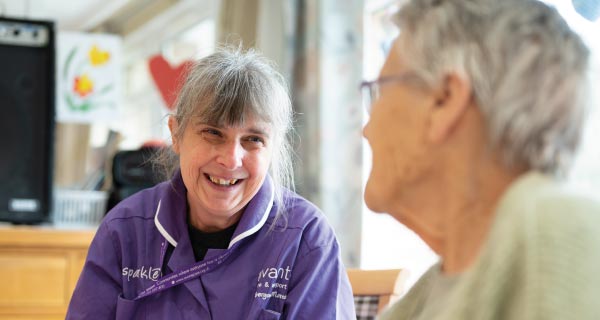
(222, 182)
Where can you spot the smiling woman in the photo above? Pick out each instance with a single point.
(223, 168)
(235, 123)
(224, 219)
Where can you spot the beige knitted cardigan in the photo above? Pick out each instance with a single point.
(541, 261)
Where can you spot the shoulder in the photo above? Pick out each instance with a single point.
(555, 227)
(139, 205)
(136, 211)
(566, 204)
(130, 225)
(550, 218)
(541, 207)
(563, 224)
(561, 212)
(565, 243)
(304, 216)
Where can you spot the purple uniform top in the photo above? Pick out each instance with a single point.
(288, 268)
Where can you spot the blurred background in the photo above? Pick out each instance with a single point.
(116, 70)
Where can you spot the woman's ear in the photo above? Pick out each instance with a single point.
(173, 127)
(451, 101)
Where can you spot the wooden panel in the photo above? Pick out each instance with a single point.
(44, 237)
(39, 268)
(33, 278)
(77, 260)
(385, 284)
(377, 282)
(32, 317)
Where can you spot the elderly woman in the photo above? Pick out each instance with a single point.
(225, 238)
(478, 111)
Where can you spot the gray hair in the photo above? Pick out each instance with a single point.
(526, 66)
(228, 87)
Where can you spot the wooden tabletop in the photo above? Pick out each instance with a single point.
(45, 236)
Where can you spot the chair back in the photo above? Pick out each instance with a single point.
(373, 290)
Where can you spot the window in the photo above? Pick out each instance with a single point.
(386, 243)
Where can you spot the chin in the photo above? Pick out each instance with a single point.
(373, 201)
(375, 208)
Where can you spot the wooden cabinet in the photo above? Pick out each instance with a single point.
(39, 267)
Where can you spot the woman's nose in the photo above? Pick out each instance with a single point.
(230, 155)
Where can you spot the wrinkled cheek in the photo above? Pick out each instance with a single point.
(196, 176)
(190, 176)
(414, 165)
(259, 168)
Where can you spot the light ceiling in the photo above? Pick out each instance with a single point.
(68, 14)
(115, 16)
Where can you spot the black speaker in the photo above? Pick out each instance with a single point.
(27, 119)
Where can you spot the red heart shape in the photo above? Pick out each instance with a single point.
(168, 79)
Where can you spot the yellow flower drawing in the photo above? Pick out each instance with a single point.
(87, 87)
(97, 56)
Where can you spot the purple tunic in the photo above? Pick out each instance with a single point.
(285, 269)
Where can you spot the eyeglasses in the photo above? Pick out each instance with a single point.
(371, 89)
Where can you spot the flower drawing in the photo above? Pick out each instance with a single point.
(98, 57)
(83, 85)
(89, 83)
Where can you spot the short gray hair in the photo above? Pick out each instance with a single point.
(226, 88)
(528, 71)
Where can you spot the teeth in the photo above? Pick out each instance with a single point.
(222, 182)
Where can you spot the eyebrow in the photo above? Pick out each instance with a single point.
(253, 130)
(258, 131)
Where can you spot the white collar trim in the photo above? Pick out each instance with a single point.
(161, 229)
(259, 224)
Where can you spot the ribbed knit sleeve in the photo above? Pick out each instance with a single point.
(565, 244)
(541, 261)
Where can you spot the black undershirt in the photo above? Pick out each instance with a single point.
(202, 241)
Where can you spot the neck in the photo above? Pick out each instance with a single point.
(456, 224)
(208, 223)
(470, 216)
(454, 207)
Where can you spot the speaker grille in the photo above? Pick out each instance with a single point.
(27, 122)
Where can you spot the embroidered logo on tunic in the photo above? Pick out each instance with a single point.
(143, 272)
(273, 283)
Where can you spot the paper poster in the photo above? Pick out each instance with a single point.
(88, 70)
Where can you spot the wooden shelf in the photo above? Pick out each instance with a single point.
(39, 267)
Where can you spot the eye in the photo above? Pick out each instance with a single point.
(212, 131)
(253, 142)
(212, 135)
(256, 139)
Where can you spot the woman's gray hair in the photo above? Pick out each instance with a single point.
(527, 68)
(225, 89)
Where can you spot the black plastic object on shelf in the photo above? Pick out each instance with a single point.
(132, 171)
